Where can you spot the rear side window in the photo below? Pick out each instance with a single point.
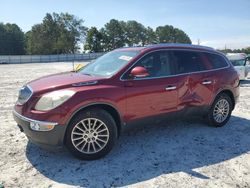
(216, 61)
(188, 61)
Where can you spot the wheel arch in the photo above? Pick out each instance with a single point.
(227, 92)
(105, 106)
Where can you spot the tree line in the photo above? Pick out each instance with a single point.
(65, 33)
(243, 50)
(116, 34)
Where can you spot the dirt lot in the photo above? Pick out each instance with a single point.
(176, 154)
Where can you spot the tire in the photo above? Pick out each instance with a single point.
(91, 142)
(220, 120)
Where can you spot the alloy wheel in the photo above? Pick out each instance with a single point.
(221, 110)
(90, 135)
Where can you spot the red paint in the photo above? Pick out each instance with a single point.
(133, 99)
(139, 72)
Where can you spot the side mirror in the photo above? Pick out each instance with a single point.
(139, 72)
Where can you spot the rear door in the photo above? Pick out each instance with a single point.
(218, 71)
(200, 82)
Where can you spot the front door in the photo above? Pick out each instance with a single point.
(155, 94)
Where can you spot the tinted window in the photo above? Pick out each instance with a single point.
(216, 61)
(187, 61)
(158, 64)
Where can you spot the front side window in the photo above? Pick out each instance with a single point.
(158, 64)
(109, 64)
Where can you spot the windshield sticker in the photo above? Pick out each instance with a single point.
(125, 58)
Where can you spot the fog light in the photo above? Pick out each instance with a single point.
(41, 127)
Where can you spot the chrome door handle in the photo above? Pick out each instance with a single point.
(170, 88)
(207, 82)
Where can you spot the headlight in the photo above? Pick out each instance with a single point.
(53, 99)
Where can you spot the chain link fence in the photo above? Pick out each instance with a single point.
(19, 59)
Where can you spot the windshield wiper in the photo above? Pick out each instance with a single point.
(87, 74)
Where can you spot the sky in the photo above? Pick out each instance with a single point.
(215, 23)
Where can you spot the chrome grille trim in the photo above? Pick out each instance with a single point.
(32, 120)
(25, 100)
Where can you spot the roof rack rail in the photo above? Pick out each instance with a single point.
(179, 45)
(170, 45)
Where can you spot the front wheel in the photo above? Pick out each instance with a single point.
(91, 134)
(220, 111)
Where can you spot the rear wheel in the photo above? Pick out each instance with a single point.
(220, 111)
(91, 134)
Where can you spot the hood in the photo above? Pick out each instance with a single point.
(61, 81)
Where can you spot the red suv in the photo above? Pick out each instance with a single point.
(88, 109)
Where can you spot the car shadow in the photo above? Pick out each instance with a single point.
(140, 155)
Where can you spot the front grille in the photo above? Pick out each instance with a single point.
(24, 95)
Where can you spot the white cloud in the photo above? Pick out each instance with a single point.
(231, 43)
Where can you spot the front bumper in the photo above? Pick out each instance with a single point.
(51, 140)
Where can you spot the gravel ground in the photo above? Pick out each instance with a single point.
(176, 154)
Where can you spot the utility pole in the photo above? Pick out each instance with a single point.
(198, 41)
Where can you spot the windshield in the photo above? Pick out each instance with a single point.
(238, 62)
(109, 64)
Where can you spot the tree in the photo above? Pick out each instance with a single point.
(35, 41)
(58, 33)
(93, 40)
(105, 40)
(169, 34)
(73, 31)
(181, 37)
(114, 35)
(11, 39)
(150, 36)
(135, 33)
(43, 37)
(246, 50)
